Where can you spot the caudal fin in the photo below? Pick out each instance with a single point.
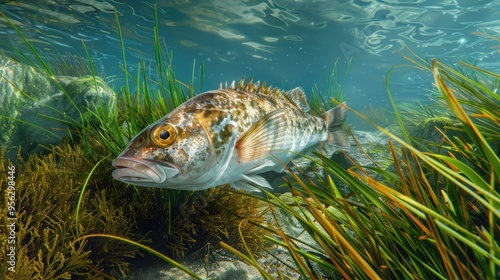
(335, 118)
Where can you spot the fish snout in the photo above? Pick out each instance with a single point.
(142, 172)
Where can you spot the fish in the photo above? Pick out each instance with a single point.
(227, 136)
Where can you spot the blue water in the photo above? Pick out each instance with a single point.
(284, 42)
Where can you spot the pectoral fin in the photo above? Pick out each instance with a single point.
(264, 137)
(256, 179)
(264, 166)
(243, 185)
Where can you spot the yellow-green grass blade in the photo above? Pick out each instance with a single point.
(141, 246)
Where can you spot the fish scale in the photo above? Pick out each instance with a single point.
(227, 136)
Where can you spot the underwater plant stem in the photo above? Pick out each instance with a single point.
(145, 248)
(471, 129)
(444, 170)
(202, 75)
(332, 230)
(30, 46)
(80, 198)
(30, 124)
(158, 52)
(245, 258)
(395, 107)
(469, 126)
(245, 245)
(122, 47)
(91, 65)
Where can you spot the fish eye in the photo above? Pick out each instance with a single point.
(163, 135)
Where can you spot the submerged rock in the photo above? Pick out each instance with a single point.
(226, 270)
(20, 84)
(431, 130)
(39, 111)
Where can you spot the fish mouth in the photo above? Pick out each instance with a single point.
(142, 172)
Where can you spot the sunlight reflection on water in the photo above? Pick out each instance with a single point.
(291, 42)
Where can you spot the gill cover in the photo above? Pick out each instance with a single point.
(221, 134)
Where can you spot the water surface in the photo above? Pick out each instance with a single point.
(285, 42)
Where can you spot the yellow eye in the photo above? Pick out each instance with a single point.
(163, 135)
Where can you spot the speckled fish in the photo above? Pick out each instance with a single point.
(227, 136)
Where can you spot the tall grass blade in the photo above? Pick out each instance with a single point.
(143, 247)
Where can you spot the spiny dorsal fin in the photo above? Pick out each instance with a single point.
(295, 96)
(250, 86)
(299, 98)
(262, 87)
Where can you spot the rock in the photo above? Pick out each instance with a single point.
(19, 85)
(225, 270)
(54, 112)
(36, 110)
(430, 131)
(226, 267)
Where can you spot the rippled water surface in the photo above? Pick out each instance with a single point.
(285, 42)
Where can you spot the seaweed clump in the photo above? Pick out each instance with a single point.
(47, 191)
(228, 216)
(196, 225)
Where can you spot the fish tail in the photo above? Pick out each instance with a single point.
(334, 119)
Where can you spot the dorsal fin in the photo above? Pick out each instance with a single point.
(250, 86)
(295, 96)
(299, 98)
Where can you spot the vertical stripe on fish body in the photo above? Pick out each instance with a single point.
(229, 135)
